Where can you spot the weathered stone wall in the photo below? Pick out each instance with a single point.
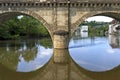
(61, 55)
(61, 39)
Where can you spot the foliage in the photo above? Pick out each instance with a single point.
(25, 26)
(96, 28)
(46, 42)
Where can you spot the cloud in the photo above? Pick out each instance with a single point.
(44, 53)
(100, 19)
(111, 51)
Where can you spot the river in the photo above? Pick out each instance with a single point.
(25, 55)
(88, 58)
(95, 53)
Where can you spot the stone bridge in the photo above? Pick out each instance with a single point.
(60, 17)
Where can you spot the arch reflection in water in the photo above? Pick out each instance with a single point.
(61, 55)
(94, 54)
(53, 70)
(59, 70)
(114, 40)
(25, 55)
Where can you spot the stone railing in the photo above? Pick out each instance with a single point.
(52, 3)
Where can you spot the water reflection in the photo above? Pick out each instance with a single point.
(25, 55)
(58, 69)
(95, 54)
(61, 55)
(114, 41)
(84, 34)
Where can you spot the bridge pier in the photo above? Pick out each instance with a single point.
(61, 39)
(61, 56)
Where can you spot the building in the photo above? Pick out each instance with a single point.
(84, 28)
(114, 27)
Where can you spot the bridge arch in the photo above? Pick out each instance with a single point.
(4, 16)
(114, 14)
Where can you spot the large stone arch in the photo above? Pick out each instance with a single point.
(9, 14)
(113, 14)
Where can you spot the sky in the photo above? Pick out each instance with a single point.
(94, 18)
(100, 19)
(19, 17)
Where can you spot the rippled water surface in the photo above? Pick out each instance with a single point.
(25, 55)
(88, 58)
(95, 53)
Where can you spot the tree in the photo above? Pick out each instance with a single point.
(25, 26)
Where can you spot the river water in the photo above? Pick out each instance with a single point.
(95, 53)
(25, 55)
(88, 58)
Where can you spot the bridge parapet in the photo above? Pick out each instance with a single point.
(49, 3)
